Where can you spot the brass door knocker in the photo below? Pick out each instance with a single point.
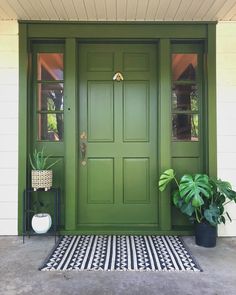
(118, 77)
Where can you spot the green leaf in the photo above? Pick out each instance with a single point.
(194, 189)
(224, 188)
(31, 163)
(212, 215)
(231, 195)
(45, 162)
(176, 198)
(187, 209)
(51, 165)
(197, 201)
(39, 160)
(166, 177)
(221, 199)
(222, 219)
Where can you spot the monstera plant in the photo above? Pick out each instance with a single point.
(203, 200)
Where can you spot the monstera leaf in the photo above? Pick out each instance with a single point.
(223, 188)
(194, 188)
(187, 209)
(212, 215)
(177, 200)
(166, 177)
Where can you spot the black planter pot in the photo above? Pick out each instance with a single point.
(205, 235)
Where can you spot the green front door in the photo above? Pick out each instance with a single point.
(118, 136)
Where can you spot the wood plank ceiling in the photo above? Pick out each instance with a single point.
(119, 10)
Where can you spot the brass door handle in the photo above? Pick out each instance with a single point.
(83, 149)
(83, 135)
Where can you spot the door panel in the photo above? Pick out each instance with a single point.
(134, 61)
(100, 61)
(118, 172)
(100, 185)
(100, 111)
(136, 123)
(136, 180)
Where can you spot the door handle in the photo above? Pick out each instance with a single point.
(83, 135)
(83, 149)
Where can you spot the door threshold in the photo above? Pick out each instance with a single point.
(141, 230)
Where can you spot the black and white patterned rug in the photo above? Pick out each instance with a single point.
(122, 253)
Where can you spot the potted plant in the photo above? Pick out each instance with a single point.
(41, 221)
(203, 200)
(41, 174)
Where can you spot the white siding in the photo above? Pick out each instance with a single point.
(226, 113)
(8, 127)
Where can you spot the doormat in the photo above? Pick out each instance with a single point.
(120, 253)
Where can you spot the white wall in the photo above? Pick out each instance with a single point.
(8, 126)
(226, 112)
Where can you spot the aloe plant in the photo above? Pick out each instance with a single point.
(200, 197)
(38, 160)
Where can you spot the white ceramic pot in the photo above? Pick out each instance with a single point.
(41, 223)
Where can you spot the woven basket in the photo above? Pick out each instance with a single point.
(41, 179)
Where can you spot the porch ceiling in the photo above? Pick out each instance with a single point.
(118, 10)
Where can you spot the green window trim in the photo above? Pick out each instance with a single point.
(198, 49)
(43, 48)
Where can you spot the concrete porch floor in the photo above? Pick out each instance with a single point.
(19, 275)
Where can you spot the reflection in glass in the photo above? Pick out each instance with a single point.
(185, 127)
(50, 97)
(50, 66)
(184, 66)
(185, 97)
(50, 127)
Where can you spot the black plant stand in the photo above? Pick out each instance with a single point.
(28, 211)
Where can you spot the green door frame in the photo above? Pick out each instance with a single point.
(69, 34)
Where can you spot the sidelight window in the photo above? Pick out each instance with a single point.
(185, 97)
(50, 93)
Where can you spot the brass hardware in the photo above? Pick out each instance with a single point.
(83, 135)
(83, 148)
(118, 77)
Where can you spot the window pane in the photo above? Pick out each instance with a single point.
(50, 66)
(185, 127)
(184, 66)
(185, 97)
(50, 97)
(50, 127)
